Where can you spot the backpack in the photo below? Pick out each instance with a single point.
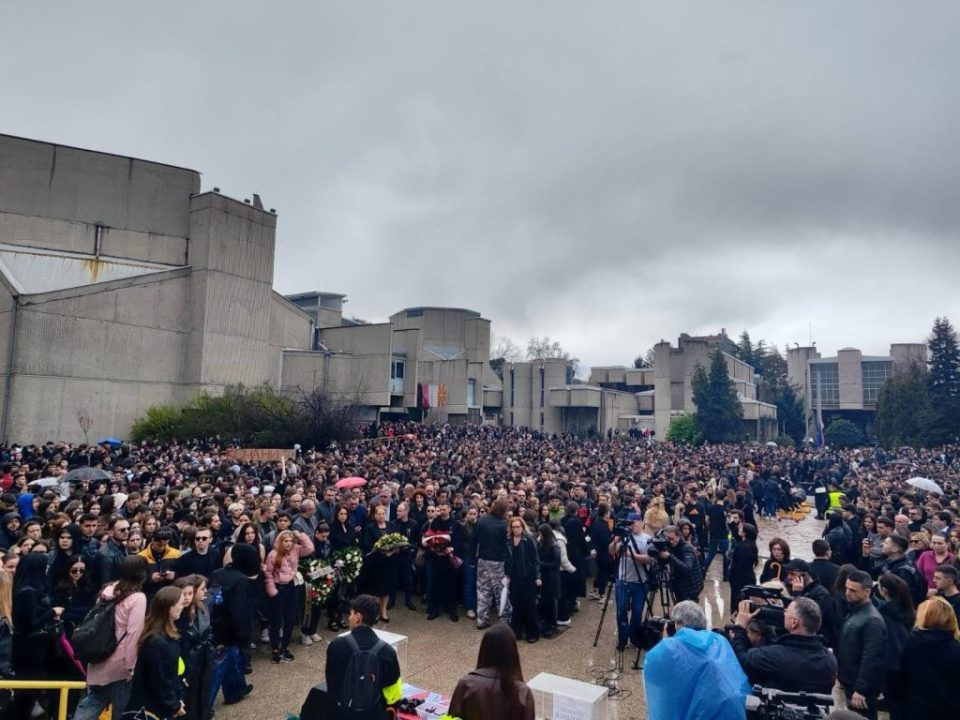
(360, 693)
(95, 639)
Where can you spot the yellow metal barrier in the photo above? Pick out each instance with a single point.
(64, 686)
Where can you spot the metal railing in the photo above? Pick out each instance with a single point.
(64, 686)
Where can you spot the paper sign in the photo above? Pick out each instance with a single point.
(258, 454)
(568, 708)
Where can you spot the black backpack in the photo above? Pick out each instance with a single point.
(95, 639)
(360, 693)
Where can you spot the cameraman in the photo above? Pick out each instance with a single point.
(695, 673)
(800, 583)
(687, 575)
(631, 587)
(795, 662)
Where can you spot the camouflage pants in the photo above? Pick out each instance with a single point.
(490, 592)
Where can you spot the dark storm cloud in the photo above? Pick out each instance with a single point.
(608, 173)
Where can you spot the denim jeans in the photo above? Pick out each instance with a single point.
(99, 696)
(226, 673)
(631, 598)
(713, 548)
(470, 585)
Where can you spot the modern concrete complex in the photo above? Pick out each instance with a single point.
(846, 385)
(124, 286)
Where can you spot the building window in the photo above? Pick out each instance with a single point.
(513, 377)
(511, 418)
(542, 390)
(415, 313)
(541, 418)
(875, 374)
(825, 380)
(471, 393)
(397, 370)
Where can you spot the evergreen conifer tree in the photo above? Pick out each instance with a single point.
(719, 413)
(944, 382)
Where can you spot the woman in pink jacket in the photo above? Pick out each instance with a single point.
(929, 560)
(108, 682)
(281, 567)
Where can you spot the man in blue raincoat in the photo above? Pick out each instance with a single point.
(694, 675)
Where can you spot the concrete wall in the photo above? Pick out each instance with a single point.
(52, 196)
(112, 351)
(232, 294)
(851, 378)
(345, 377)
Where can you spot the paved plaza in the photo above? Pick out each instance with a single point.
(439, 652)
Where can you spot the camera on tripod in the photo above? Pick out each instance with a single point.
(652, 631)
(659, 543)
(771, 704)
(769, 601)
(623, 529)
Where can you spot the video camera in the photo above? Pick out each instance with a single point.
(652, 631)
(659, 543)
(623, 529)
(771, 704)
(769, 601)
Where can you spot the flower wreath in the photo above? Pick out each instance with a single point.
(319, 578)
(348, 563)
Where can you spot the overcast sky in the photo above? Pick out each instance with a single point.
(610, 174)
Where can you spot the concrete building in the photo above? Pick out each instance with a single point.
(846, 385)
(426, 363)
(122, 286)
(673, 387)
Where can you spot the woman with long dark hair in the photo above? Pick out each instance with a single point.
(379, 573)
(108, 682)
(74, 592)
(549, 553)
(896, 608)
(342, 533)
(32, 612)
(157, 688)
(496, 688)
(743, 562)
(196, 647)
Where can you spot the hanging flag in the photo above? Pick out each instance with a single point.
(424, 395)
(434, 393)
(441, 396)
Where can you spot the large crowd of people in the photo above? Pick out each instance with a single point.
(503, 525)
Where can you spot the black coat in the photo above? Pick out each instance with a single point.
(156, 680)
(775, 665)
(231, 619)
(743, 571)
(930, 661)
(550, 572)
(861, 655)
(830, 617)
(687, 573)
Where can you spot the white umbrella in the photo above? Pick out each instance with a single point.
(771, 443)
(922, 483)
(45, 482)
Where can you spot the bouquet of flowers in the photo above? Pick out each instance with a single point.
(391, 541)
(319, 578)
(439, 543)
(347, 563)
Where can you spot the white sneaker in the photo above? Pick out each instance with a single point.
(306, 641)
(265, 636)
(316, 637)
(471, 614)
(565, 623)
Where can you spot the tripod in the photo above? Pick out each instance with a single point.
(621, 554)
(668, 599)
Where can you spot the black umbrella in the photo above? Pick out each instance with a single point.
(86, 473)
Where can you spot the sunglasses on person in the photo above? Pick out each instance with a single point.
(77, 571)
(203, 539)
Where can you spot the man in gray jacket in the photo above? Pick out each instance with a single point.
(861, 652)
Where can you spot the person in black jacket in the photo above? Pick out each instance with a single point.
(743, 562)
(549, 553)
(522, 566)
(929, 662)
(491, 540)
(32, 612)
(860, 652)
(600, 537)
(800, 583)
(795, 662)
(233, 593)
(686, 573)
(896, 608)
(575, 584)
(157, 687)
(202, 558)
(112, 551)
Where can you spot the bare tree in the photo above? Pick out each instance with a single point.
(503, 348)
(85, 422)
